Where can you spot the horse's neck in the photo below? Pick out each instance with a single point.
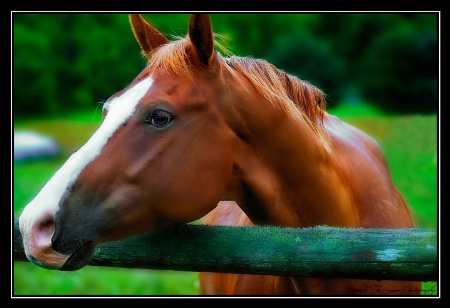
(285, 176)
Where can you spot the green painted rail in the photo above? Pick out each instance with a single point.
(379, 254)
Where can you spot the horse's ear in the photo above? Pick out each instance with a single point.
(148, 37)
(200, 34)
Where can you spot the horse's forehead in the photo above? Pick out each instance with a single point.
(182, 91)
(144, 74)
(179, 90)
(176, 86)
(127, 99)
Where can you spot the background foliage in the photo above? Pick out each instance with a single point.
(71, 61)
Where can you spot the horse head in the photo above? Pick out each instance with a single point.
(161, 154)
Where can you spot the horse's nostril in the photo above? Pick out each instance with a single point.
(45, 225)
(45, 229)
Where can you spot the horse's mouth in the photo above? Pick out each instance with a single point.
(79, 258)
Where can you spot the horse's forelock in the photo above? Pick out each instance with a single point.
(175, 57)
(172, 57)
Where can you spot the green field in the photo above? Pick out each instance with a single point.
(409, 142)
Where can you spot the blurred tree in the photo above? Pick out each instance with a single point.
(66, 62)
(34, 82)
(391, 59)
(400, 72)
(311, 60)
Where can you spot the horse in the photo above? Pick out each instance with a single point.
(226, 140)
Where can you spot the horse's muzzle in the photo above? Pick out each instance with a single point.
(80, 258)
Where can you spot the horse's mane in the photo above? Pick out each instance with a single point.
(284, 90)
(280, 88)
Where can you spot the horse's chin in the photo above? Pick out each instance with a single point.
(80, 258)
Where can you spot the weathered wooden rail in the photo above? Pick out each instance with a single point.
(379, 254)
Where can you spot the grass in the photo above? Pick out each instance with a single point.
(409, 143)
(30, 279)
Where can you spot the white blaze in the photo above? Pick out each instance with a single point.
(45, 204)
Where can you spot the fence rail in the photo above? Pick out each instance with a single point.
(379, 254)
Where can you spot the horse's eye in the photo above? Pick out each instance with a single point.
(159, 118)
